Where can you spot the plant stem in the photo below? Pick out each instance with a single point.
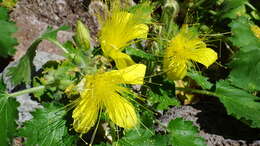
(26, 91)
(59, 45)
(204, 92)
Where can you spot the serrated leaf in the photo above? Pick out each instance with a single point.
(22, 71)
(7, 42)
(242, 35)
(142, 137)
(147, 118)
(4, 14)
(234, 8)
(239, 103)
(9, 115)
(200, 79)
(47, 128)
(162, 100)
(184, 133)
(139, 53)
(245, 70)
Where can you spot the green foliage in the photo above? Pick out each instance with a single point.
(142, 137)
(47, 128)
(162, 100)
(4, 14)
(22, 71)
(245, 70)
(56, 78)
(184, 133)
(143, 12)
(80, 57)
(200, 79)
(139, 53)
(181, 133)
(242, 36)
(9, 114)
(234, 8)
(239, 103)
(147, 118)
(7, 29)
(245, 63)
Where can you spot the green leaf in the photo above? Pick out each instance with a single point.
(103, 144)
(47, 128)
(242, 36)
(245, 63)
(142, 137)
(4, 14)
(184, 133)
(139, 53)
(147, 118)
(234, 8)
(56, 78)
(162, 100)
(239, 103)
(22, 71)
(245, 70)
(9, 115)
(143, 12)
(7, 42)
(200, 79)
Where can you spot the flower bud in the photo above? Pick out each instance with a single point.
(82, 36)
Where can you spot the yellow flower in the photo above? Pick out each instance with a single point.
(186, 46)
(105, 91)
(119, 30)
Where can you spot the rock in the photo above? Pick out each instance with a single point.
(218, 128)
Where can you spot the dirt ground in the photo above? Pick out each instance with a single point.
(32, 18)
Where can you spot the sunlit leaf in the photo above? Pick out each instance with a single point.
(22, 71)
(162, 100)
(7, 29)
(8, 115)
(184, 133)
(47, 128)
(200, 79)
(239, 103)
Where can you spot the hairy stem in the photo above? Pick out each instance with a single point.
(190, 90)
(26, 91)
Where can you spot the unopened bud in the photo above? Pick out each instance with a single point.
(82, 37)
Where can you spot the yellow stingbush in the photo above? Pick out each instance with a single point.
(119, 29)
(186, 46)
(105, 91)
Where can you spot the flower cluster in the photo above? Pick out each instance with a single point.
(106, 91)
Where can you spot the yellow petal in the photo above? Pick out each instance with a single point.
(131, 75)
(122, 60)
(205, 56)
(183, 48)
(85, 114)
(121, 111)
(119, 29)
(175, 68)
